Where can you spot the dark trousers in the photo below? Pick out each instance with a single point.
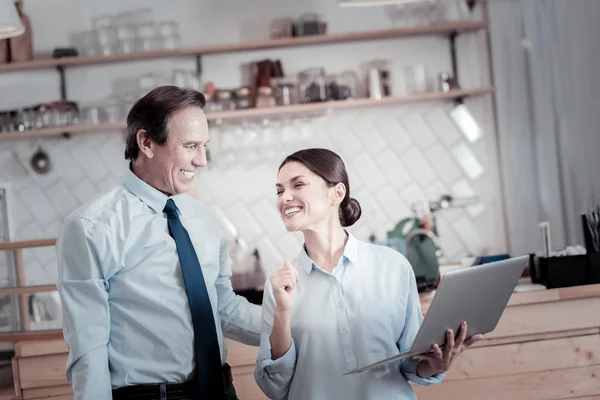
(177, 391)
(162, 391)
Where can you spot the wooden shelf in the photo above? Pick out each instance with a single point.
(27, 244)
(263, 112)
(346, 104)
(7, 291)
(31, 335)
(432, 30)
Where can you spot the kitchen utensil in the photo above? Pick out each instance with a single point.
(546, 240)
(592, 224)
(40, 161)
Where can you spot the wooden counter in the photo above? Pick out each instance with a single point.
(546, 346)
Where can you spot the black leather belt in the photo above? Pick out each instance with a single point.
(172, 391)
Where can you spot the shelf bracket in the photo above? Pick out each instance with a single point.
(459, 100)
(452, 38)
(63, 91)
(63, 83)
(199, 67)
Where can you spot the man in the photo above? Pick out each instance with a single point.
(144, 276)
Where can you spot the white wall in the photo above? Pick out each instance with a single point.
(395, 154)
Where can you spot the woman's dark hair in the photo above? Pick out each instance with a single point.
(329, 166)
(153, 113)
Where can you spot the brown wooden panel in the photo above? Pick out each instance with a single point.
(16, 376)
(548, 317)
(246, 387)
(239, 354)
(39, 348)
(23, 298)
(7, 392)
(568, 383)
(538, 336)
(41, 371)
(45, 392)
(520, 358)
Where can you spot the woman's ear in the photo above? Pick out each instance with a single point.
(144, 143)
(339, 193)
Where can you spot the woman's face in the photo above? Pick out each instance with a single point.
(304, 200)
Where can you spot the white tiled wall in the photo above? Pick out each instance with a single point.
(395, 154)
(385, 179)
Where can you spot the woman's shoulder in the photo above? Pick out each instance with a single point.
(384, 256)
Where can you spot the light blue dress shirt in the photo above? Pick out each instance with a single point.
(126, 314)
(367, 309)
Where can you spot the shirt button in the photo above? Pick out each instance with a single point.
(340, 305)
(344, 331)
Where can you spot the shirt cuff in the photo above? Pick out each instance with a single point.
(409, 370)
(282, 364)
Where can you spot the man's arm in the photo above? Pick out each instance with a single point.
(80, 249)
(240, 320)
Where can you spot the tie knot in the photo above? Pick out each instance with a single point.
(171, 209)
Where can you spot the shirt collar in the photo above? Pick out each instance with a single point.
(153, 197)
(350, 254)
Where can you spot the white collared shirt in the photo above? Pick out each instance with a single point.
(127, 319)
(367, 309)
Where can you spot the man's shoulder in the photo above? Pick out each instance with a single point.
(100, 208)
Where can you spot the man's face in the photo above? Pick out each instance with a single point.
(173, 166)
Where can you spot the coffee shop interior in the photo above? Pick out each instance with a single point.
(469, 129)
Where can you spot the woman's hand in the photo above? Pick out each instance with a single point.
(439, 360)
(284, 282)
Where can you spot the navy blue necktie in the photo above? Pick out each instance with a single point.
(208, 356)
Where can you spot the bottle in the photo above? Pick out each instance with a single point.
(21, 47)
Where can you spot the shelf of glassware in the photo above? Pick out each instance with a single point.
(445, 28)
(253, 113)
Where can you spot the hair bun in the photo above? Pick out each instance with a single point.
(351, 212)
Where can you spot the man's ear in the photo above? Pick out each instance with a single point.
(145, 144)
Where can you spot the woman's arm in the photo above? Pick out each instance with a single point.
(276, 361)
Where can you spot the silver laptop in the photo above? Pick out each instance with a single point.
(476, 294)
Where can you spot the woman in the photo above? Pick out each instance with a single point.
(342, 303)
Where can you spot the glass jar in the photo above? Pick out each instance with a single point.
(169, 35)
(415, 78)
(242, 98)
(313, 85)
(265, 97)
(147, 37)
(346, 86)
(225, 100)
(286, 91)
